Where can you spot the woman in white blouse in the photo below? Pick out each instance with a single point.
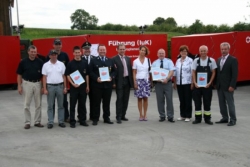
(141, 81)
(183, 83)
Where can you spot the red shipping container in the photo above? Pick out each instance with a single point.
(9, 57)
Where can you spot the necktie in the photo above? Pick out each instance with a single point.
(161, 66)
(103, 59)
(125, 70)
(222, 61)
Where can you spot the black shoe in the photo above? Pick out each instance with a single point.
(94, 123)
(171, 120)
(222, 121)
(84, 124)
(62, 125)
(50, 126)
(196, 121)
(108, 122)
(72, 125)
(119, 121)
(231, 123)
(162, 119)
(124, 119)
(209, 122)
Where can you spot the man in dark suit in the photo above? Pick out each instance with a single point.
(123, 82)
(227, 73)
(102, 90)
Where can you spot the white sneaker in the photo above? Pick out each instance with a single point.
(180, 119)
(187, 119)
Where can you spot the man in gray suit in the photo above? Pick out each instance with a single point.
(227, 73)
(123, 82)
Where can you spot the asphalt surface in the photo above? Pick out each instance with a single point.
(132, 143)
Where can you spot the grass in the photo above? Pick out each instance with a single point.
(36, 33)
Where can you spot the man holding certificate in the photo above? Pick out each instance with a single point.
(203, 73)
(77, 75)
(164, 67)
(102, 74)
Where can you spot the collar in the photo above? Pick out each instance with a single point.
(52, 63)
(226, 56)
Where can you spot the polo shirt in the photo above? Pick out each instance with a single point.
(30, 69)
(54, 72)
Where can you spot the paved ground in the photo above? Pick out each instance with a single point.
(132, 143)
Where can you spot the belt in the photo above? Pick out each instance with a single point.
(38, 80)
(55, 84)
(125, 77)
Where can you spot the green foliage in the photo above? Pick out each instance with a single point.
(171, 21)
(224, 28)
(158, 21)
(210, 28)
(241, 27)
(83, 20)
(196, 27)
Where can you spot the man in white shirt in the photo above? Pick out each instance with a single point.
(54, 84)
(205, 66)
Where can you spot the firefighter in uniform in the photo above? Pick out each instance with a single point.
(203, 64)
(78, 93)
(87, 57)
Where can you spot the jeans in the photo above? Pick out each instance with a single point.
(55, 91)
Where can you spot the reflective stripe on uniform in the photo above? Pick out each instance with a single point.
(207, 113)
(198, 112)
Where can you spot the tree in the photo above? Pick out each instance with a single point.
(83, 20)
(210, 28)
(224, 28)
(158, 21)
(196, 27)
(171, 21)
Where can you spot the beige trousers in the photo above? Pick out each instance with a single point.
(31, 90)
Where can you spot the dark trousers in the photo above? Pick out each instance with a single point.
(101, 95)
(78, 95)
(205, 95)
(90, 106)
(185, 98)
(122, 98)
(65, 106)
(226, 103)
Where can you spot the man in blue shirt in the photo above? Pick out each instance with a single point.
(163, 88)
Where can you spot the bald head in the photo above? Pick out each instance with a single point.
(203, 51)
(161, 53)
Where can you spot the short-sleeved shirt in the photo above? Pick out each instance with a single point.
(54, 72)
(63, 57)
(141, 68)
(81, 66)
(167, 64)
(183, 71)
(212, 64)
(30, 69)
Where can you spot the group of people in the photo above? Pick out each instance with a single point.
(221, 75)
(51, 77)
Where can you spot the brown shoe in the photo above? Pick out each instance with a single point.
(27, 126)
(39, 125)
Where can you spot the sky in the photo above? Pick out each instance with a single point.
(56, 13)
